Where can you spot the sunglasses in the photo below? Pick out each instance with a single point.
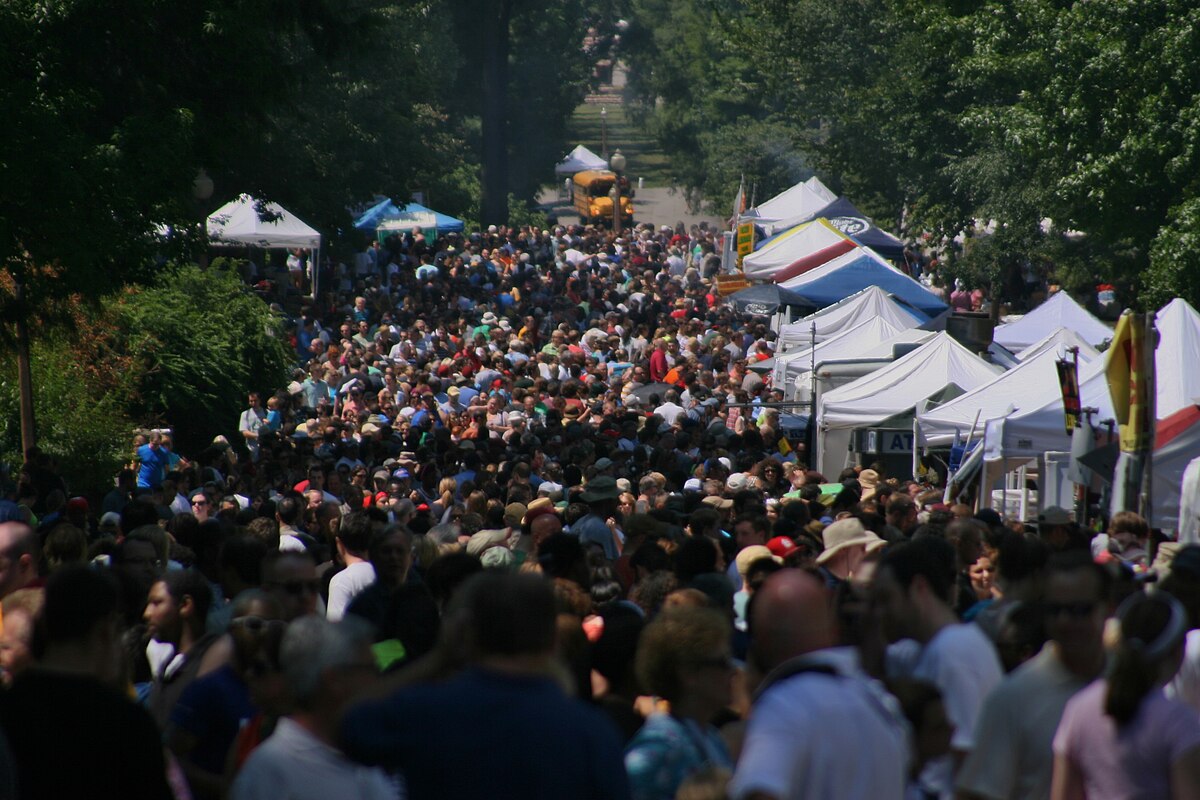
(298, 588)
(1074, 610)
(257, 624)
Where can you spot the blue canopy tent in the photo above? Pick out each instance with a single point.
(833, 283)
(843, 216)
(413, 215)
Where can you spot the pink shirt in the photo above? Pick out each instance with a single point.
(1131, 762)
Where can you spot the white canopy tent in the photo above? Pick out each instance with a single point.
(1059, 341)
(1031, 432)
(578, 160)
(1178, 379)
(788, 249)
(856, 309)
(1040, 426)
(1032, 382)
(1060, 311)
(241, 221)
(270, 226)
(790, 367)
(801, 201)
(896, 387)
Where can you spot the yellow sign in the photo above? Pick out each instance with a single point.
(745, 242)
(745, 239)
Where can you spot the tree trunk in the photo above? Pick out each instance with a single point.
(24, 375)
(494, 205)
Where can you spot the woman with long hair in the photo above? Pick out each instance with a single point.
(1121, 736)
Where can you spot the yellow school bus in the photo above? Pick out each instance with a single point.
(592, 200)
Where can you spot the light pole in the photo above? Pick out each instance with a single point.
(202, 190)
(604, 132)
(617, 162)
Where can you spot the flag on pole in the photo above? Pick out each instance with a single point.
(1129, 379)
(739, 203)
(1068, 378)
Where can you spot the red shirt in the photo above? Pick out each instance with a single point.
(658, 365)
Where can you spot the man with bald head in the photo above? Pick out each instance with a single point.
(819, 728)
(18, 557)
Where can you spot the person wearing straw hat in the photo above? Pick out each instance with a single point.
(846, 543)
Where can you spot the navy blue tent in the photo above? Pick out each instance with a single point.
(842, 215)
(825, 288)
(766, 299)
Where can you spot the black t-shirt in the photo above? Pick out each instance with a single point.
(72, 736)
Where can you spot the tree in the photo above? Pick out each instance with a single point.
(109, 112)
(528, 69)
(198, 340)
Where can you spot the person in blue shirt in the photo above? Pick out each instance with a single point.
(152, 462)
(535, 742)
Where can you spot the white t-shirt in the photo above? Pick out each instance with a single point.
(815, 735)
(345, 586)
(294, 763)
(1013, 759)
(962, 663)
(1185, 686)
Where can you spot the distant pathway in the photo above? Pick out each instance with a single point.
(658, 201)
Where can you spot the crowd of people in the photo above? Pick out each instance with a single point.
(525, 524)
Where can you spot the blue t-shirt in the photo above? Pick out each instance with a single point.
(213, 709)
(526, 739)
(152, 467)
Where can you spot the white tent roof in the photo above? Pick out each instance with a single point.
(1060, 311)
(1059, 341)
(1031, 383)
(834, 320)
(848, 344)
(802, 200)
(1032, 432)
(903, 383)
(578, 160)
(1179, 341)
(887, 347)
(789, 247)
(1039, 427)
(238, 222)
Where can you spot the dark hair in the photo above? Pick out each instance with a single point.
(77, 599)
(190, 583)
(1020, 557)
(137, 513)
(354, 532)
(650, 557)
(696, 556)
(449, 572)
(244, 554)
(290, 508)
(930, 557)
(1152, 627)
(510, 614)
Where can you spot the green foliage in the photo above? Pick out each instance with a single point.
(522, 213)
(1175, 259)
(1071, 130)
(201, 341)
(86, 429)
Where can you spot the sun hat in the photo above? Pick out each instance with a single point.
(845, 533)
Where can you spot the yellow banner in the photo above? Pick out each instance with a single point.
(1129, 372)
